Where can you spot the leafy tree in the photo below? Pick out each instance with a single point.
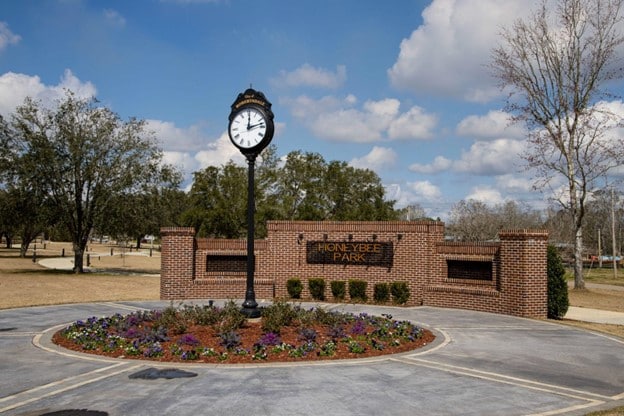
(25, 214)
(218, 202)
(557, 64)
(299, 187)
(134, 215)
(355, 194)
(267, 201)
(309, 188)
(81, 156)
(304, 187)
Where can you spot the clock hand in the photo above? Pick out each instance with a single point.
(248, 120)
(253, 126)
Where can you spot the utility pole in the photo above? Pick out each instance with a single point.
(613, 232)
(599, 249)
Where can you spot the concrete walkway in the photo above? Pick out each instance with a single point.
(480, 364)
(595, 315)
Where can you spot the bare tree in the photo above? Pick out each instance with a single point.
(557, 64)
(475, 221)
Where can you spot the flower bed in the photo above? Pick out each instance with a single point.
(223, 335)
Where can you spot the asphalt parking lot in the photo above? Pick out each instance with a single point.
(480, 364)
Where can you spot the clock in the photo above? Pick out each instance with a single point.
(251, 122)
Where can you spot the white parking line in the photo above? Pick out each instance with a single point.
(56, 387)
(592, 399)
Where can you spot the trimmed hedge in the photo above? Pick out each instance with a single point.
(357, 290)
(317, 288)
(381, 292)
(338, 289)
(294, 288)
(400, 292)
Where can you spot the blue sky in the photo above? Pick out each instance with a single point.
(398, 86)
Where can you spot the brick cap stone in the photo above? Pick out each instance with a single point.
(177, 231)
(523, 234)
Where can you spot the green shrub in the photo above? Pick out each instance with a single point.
(338, 289)
(232, 318)
(171, 320)
(357, 290)
(400, 292)
(294, 288)
(277, 315)
(558, 301)
(202, 315)
(381, 292)
(317, 288)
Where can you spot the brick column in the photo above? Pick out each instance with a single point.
(523, 278)
(177, 268)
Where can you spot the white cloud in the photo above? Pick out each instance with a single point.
(339, 119)
(440, 164)
(496, 157)
(114, 17)
(218, 153)
(425, 190)
(425, 194)
(176, 138)
(511, 183)
(183, 161)
(449, 52)
(378, 158)
(486, 194)
(14, 88)
(488, 158)
(7, 37)
(308, 109)
(414, 123)
(214, 153)
(309, 76)
(494, 124)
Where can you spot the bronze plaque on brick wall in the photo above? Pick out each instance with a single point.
(363, 253)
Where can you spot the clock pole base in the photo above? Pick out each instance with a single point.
(251, 312)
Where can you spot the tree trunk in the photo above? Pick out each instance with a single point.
(78, 258)
(579, 282)
(24, 248)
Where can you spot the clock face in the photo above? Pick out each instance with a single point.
(248, 128)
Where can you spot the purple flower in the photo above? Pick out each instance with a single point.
(132, 333)
(358, 328)
(308, 335)
(188, 339)
(269, 339)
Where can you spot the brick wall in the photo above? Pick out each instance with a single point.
(517, 287)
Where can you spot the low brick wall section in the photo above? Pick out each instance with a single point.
(507, 277)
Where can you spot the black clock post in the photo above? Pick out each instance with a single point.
(251, 130)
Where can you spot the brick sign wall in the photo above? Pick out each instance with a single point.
(377, 252)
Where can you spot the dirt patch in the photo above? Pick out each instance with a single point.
(608, 300)
(123, 276)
